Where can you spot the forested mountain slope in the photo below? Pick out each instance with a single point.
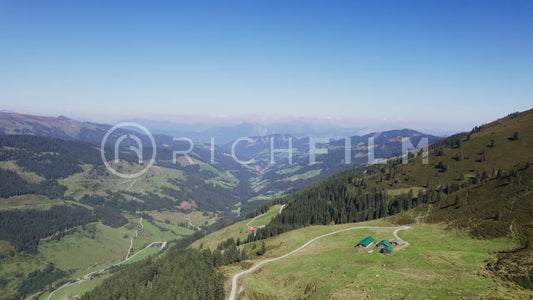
(480, 181)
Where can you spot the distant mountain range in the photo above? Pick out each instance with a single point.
(241, 186)
(227, 133)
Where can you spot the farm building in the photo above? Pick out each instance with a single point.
(365, 242)
(386, 250)
(382, 244)
(397, 242)
(250, 229)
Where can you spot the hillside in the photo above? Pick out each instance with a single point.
(57, 127)
(73, 170)
(438, 264)
(58, 203)
(478, 181)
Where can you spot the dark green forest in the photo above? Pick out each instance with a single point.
(110, 216)
(11, 184)
(24, 228)
(49, 157)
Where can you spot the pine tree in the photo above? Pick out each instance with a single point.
(262, 251)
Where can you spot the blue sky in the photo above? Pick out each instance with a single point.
(446, 63)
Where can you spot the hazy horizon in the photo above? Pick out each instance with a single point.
(209, 122)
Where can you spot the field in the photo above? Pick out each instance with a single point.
(196, 218)
(75, 289)
(100, 246)
(439, 263)
(304, 176)
(29, 202)
(289, 170)
(236, 231)
(223, 179)
(91, 181)
(268, 195)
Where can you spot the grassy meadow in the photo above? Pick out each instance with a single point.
(439, 264)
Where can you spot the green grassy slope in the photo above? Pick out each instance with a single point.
(235, 231)
(473, 156)
(439, 264)
(480, 184)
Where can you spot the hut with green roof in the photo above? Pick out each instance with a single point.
(386, 250)
(382, 244)
(365, 242)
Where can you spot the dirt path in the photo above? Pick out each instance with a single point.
(282, 207)
(136, 235)
(248, 224)
(395, 233)
(131, 185)
(191, 224)
(235, 278)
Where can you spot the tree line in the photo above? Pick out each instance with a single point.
(344, 198)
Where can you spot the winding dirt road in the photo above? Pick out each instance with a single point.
(235, 278)
(136, 235)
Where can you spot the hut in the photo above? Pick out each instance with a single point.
(397, 242)
(386, 250)
(365, 242)
(382, 244)
(251, 229)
